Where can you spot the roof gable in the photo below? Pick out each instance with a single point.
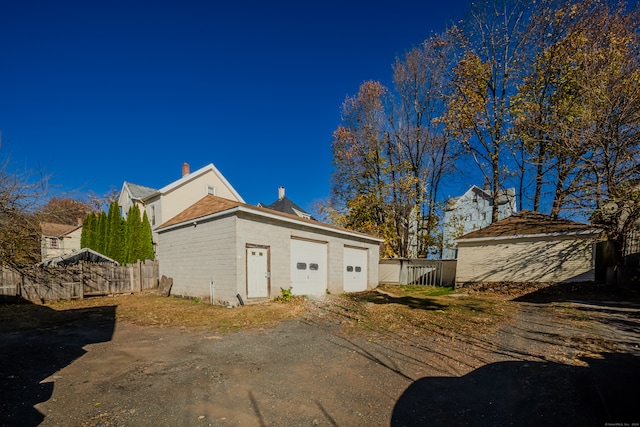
(505, 195)
(134, 192)
(526, 223)
(193, 175)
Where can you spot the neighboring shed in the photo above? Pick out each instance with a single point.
(218, 249)
(528, 247)
(84, 254)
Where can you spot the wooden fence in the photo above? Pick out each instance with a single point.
(417, 271)
(44, 284)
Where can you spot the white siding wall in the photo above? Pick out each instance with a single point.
(472, 211)
(180, 198)
(551, 259)
(194, 256)
(125, 202)
(66, 245)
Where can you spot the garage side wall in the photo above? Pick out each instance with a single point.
(194, 256)
(277, 236)
(550, 259)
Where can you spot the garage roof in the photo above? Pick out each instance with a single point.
(529, 223)
(212, 206)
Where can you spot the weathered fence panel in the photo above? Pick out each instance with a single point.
(43, 284)
(417, 271)
(9, 280)
(426, 275)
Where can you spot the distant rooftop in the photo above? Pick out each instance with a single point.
(528, 223)
(284, 204)
(52, 229)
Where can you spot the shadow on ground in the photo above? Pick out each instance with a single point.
(527, 394)
(45, 341)
(422, 303)
(562, 292)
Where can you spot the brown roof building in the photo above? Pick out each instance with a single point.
(528, 247)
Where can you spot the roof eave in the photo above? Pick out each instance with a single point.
(522, 236)
(276, 217)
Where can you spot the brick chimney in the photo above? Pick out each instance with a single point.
(280, 193)
(185, 169)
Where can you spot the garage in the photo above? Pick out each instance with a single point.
(230, 253)
(355, 269)
(528, 247)
(308, 267)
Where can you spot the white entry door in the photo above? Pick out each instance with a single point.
(308, 267)
(355, 269)
(257, 273)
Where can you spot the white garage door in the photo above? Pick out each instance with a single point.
(355, 270)
(308, 267)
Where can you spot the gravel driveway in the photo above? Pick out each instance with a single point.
(542, 368)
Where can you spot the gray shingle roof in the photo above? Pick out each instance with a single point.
(287, 206)
(140, 191)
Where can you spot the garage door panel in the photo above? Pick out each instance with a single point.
(355, 269)
(308, 267)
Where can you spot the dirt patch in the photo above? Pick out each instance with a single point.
(368, 359)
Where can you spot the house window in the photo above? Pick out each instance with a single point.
(313, 267)
(53, 243)
(153, 215)
(358, 269)
(301, 266)
(349, 268)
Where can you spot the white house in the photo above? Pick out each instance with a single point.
(528, 247)
(170, 200)
(472, 211)
(226, 251)
(59, 239)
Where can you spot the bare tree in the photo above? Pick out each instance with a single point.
(20, 194)
(64, 210)
(424, 151)
(608, 76)
(494, 49)
(391, 153)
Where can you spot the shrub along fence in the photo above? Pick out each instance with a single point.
(44, 284)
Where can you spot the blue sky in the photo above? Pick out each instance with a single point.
(98, 92)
